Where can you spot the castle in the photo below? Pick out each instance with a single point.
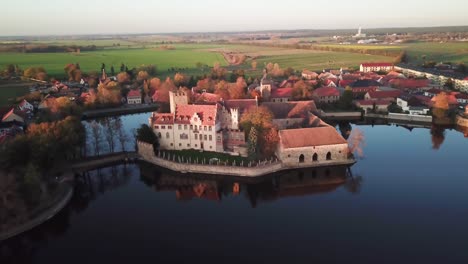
(210, 127)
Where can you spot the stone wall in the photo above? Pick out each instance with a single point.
(146, 152)
(305, 156)
(462, 121)
(417, 118)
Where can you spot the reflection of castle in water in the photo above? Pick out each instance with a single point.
(269, 188)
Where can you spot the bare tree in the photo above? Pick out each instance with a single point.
(122, 134)
(110, 133)
(96, 131)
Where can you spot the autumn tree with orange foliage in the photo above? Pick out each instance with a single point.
(261, 119)
(222, 89)
(180, 79)
(441, 105)
(300, 91)
(123, 77)
(237, 89)
(142, 76)
(73, 72)
(206, 84)
(218, 72)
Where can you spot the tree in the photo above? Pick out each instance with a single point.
(180, 79)
(122, 67)
(123, 77)
(96, 131)
(261, 119)
(254, 64)
(142, 76)
(449, 84)
(441, 101)
(222, 90)
(346, 99)
(112, 70)
(122, 135)
(110, 130)
(300, 91)
(146, 134)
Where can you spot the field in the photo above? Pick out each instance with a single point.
(186, 56)
(432, 51)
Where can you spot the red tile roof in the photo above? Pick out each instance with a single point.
(461, 96)
(282, 93)
(384, 94)
(326, 91)
(434, 91)
(307, 137)
(134, 93)
(377, 64)
(409, 83)
(163, 119)
(241, 104)
(207, 114)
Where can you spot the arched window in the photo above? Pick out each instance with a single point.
(315, 157)
(329, 156)
(301, 158)
(167, 135)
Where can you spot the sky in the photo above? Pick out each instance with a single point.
(66, 17)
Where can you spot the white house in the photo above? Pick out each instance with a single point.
(374, 67)
(134, 97)
(25, 106)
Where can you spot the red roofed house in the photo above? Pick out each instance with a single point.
(373, 67)
(281, 95)
(380, 105)
(327, 94)
(386, 95)
(134, 97)
(309, 146)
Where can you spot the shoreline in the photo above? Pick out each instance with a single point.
(264, 168)
(53, 209)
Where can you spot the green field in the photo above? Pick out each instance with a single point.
(432, 51)
(186, 56)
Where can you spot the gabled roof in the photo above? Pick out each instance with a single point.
(377, 64)
(282, 93)
(326, 91)
(163, 119)
(241, 104)
(207, 114)
(290, 109)
(384, 94)
(365, 83)
(308, 137)
(134, 93)
(409, 83)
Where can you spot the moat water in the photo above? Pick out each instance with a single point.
(405, 201)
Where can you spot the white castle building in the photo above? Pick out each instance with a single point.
(210, 127)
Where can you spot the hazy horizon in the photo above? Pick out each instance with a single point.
(30, 18)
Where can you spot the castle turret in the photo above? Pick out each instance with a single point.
(177, 98)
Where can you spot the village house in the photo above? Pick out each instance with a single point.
(306, 146)
(290, 114)
(462, 98)
(375, 67)
(369, 105)
(134, 97)
(327, 94)
(383, 95)
(25, 106)
(281, 95)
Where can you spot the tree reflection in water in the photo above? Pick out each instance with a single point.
(88, 187)
(438, 136)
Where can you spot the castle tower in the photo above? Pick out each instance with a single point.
(234, 119)
(177, 98)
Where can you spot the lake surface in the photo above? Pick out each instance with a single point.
(405, 201)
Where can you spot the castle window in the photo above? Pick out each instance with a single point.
(196, 145)
(156, 127)
(210, 128)
(205, 137)
(185, 127)
(163, 127)
(211, 147)
(191, 127)
(180, 127)
(211, 138)
(188, 145)
(196, 136)
(169, 127)
(172, 144)
(159, 135)
(167, 135)
(204, 128)
(180, 144)
(183, 136)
